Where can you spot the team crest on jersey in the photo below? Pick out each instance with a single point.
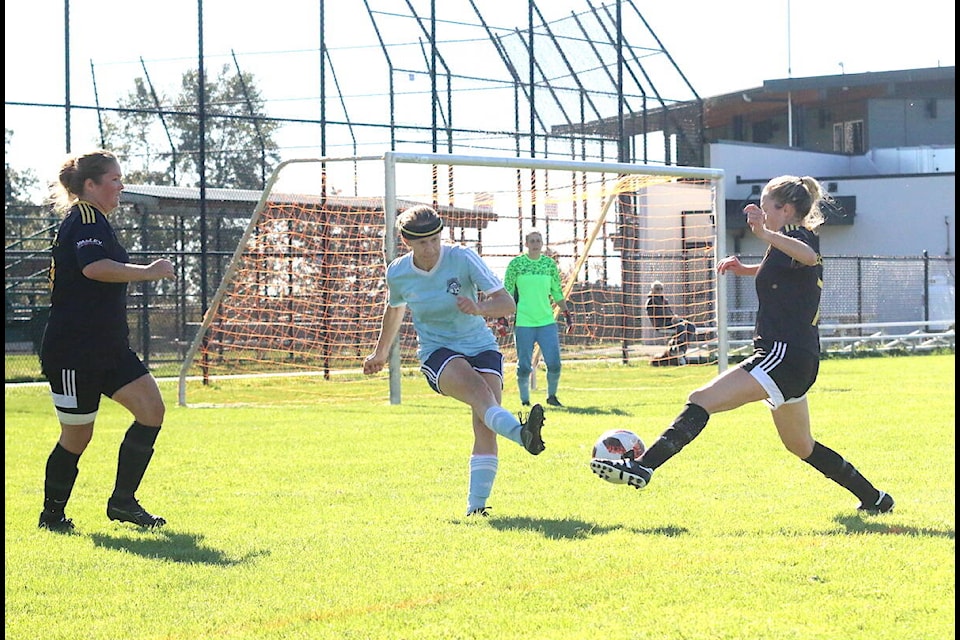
(453, 286)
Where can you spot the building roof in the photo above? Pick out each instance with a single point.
(185, 200)
(774, 95)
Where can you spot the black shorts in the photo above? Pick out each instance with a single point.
(786, 374)
(484, 362)
(76, 392)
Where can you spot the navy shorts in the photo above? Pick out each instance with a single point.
(484, 362)
(786, 374)
(76, 392)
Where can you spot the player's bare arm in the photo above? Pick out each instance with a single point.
(732, 265)
(768, 230)
(497, 304)
(392, 318)
(107, 270)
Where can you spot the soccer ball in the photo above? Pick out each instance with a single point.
(618, 444)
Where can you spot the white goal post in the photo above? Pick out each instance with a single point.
(304, 291)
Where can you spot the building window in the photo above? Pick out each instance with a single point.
(763, 131)
(739, 128)
(848, 136)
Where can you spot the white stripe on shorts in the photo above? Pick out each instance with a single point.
(761, 374)
(68, 400)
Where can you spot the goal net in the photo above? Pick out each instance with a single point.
(304, 293)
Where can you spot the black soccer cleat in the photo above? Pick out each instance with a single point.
(530, 431)
(131, 511)
(884, 504)
(482, 512)
(553, 402)
(55, 521)
(625, 471)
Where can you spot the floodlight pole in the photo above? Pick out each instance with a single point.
(789, 76)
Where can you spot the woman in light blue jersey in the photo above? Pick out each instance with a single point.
(458, 352)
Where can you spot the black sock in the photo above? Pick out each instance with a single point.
(133, 459)
(832, 465)
(684, 429)
(61, 473)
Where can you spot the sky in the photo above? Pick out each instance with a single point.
(720, 47)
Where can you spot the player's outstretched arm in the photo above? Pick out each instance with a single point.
(389, 327)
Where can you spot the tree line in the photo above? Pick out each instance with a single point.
(157, 136)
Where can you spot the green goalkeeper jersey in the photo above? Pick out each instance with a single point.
(535, 285)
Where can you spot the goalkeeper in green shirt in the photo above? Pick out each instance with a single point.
(533, 280)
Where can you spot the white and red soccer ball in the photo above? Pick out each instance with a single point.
(618, 444)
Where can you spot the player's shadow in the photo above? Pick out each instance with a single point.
(573, 529)
(165, 544)
(867, 524)
(591, 411)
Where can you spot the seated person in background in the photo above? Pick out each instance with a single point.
(663, 318)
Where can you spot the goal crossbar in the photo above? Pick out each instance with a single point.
(260, 291)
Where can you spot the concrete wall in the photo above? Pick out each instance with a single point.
(900, 211)
(899, 123)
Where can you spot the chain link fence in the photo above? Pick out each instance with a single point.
(164, 316)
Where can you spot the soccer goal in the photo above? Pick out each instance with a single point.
(304, 292)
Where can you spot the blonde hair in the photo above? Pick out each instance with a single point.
(804, 193)
(74, 172)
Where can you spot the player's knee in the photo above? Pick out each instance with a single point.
(699, 398)
(152, 412)
(801, 448)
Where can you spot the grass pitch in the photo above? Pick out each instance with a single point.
(343, 518)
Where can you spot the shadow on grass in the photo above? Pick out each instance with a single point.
(590, 411)
(164, 544)
(571, 529)
(416, 407)
(874, 524)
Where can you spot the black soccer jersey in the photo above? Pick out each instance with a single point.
(88, 319)
(789, 295)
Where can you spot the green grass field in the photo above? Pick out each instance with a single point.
(343, 519)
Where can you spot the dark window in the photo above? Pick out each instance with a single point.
(763, 131)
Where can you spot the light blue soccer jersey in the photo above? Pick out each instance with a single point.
(432, 298)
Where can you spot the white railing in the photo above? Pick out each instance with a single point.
(913, 335)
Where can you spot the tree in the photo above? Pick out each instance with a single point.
(27, 234)
(137, 137)
(159, 137)
(17, 184)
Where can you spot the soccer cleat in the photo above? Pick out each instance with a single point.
(525, 403)
(483, 512)
(884, 504)
(626, 472)
(55, 521)
(131, 511)
(553, 402)
(530, 431)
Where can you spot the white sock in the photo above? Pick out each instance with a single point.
(483, 471)
(503, 423)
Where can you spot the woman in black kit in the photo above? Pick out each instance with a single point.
(786, 342)
(86, 351)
